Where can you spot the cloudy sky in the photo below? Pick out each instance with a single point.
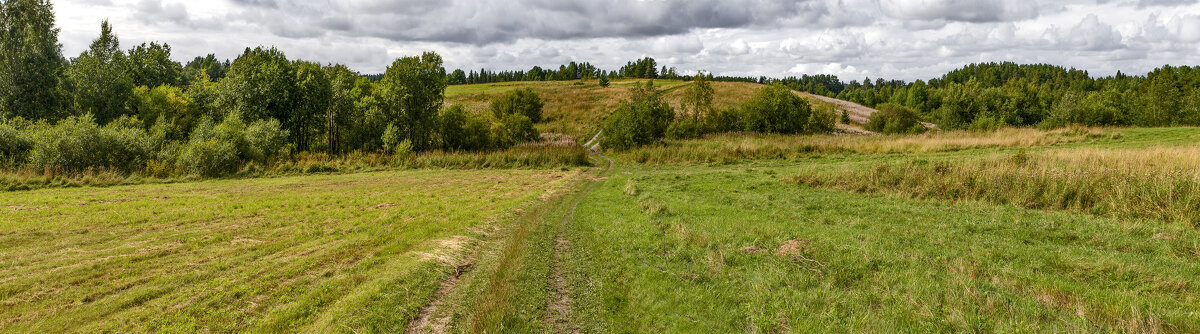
(895, 39)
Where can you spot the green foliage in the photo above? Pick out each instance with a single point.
(985, 124)
(265, 139)
(14, 145)
(76, 144)
(32, 62)
(521, 101)
(727, 120)
(219, 148)
(686, 128)
(894, 119)
(151, 65)
(845, 117)
(641, 120)
(697, 99)
(166, 102)
(514, 129)
(260, 84)
(102, 86)
(604, 81)
(312, 99)
(776, 109)
(463, 131)
(411, 93)
(209, 157)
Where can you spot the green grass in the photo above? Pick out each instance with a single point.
(694, 249)
(351, 252)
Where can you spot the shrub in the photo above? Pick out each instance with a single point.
(522, 101)
(461, 130)
(76, 144)
(391, 138)
(209, 157)
(685, 129)
(775, 109)
(213, 149)
(727, 120)
(642, 120)
(14, 145)
(984, 124)
(604, 81)
(265, 139)
(514, 129)
(894, 119)
(845, 117)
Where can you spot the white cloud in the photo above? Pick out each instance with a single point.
(901, 39)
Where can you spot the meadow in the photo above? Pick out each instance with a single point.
(319, 253)
(1015, 230)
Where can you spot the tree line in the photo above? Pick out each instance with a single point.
(131, 108)
(989, 95)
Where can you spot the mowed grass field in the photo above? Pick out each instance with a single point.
(353, 253)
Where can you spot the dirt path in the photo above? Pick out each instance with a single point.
(558, 314)
(858, 113)
(426, 323)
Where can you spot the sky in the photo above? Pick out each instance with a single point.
(853, 39)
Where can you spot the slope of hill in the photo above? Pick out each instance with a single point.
(576, 108)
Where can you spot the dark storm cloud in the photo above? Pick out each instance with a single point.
(484, 22)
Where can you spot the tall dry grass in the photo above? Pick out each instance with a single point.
(1159, 183)
(733, 147)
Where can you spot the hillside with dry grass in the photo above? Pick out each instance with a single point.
(576, 108)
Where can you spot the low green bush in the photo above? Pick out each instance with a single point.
(76, 144)
(521, 101)
(514, 129)
(463, 131)
(641, 120)
(894, 119)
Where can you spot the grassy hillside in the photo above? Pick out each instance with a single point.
(576, 108)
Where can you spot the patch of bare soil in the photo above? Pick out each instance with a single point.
(381, 206)
(753, 250)
(793, 247)
(445, 253)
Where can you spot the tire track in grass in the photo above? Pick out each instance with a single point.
(558, 315)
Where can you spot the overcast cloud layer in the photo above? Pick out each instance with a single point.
(895, 39)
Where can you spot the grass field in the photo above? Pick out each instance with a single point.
(1019, 230)
(356, 252)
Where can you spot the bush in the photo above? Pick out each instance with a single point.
(685, 129)
(76, 144)
(265, 139)
(642, 120)
(514, 129)
(461, 130)
(522, 101)
(209, 157)
(894, 119)
(213, 149)
(984, 124)
(727, 120)
(604, 81)
(391, 138)
(14, 145)
(775, 109)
